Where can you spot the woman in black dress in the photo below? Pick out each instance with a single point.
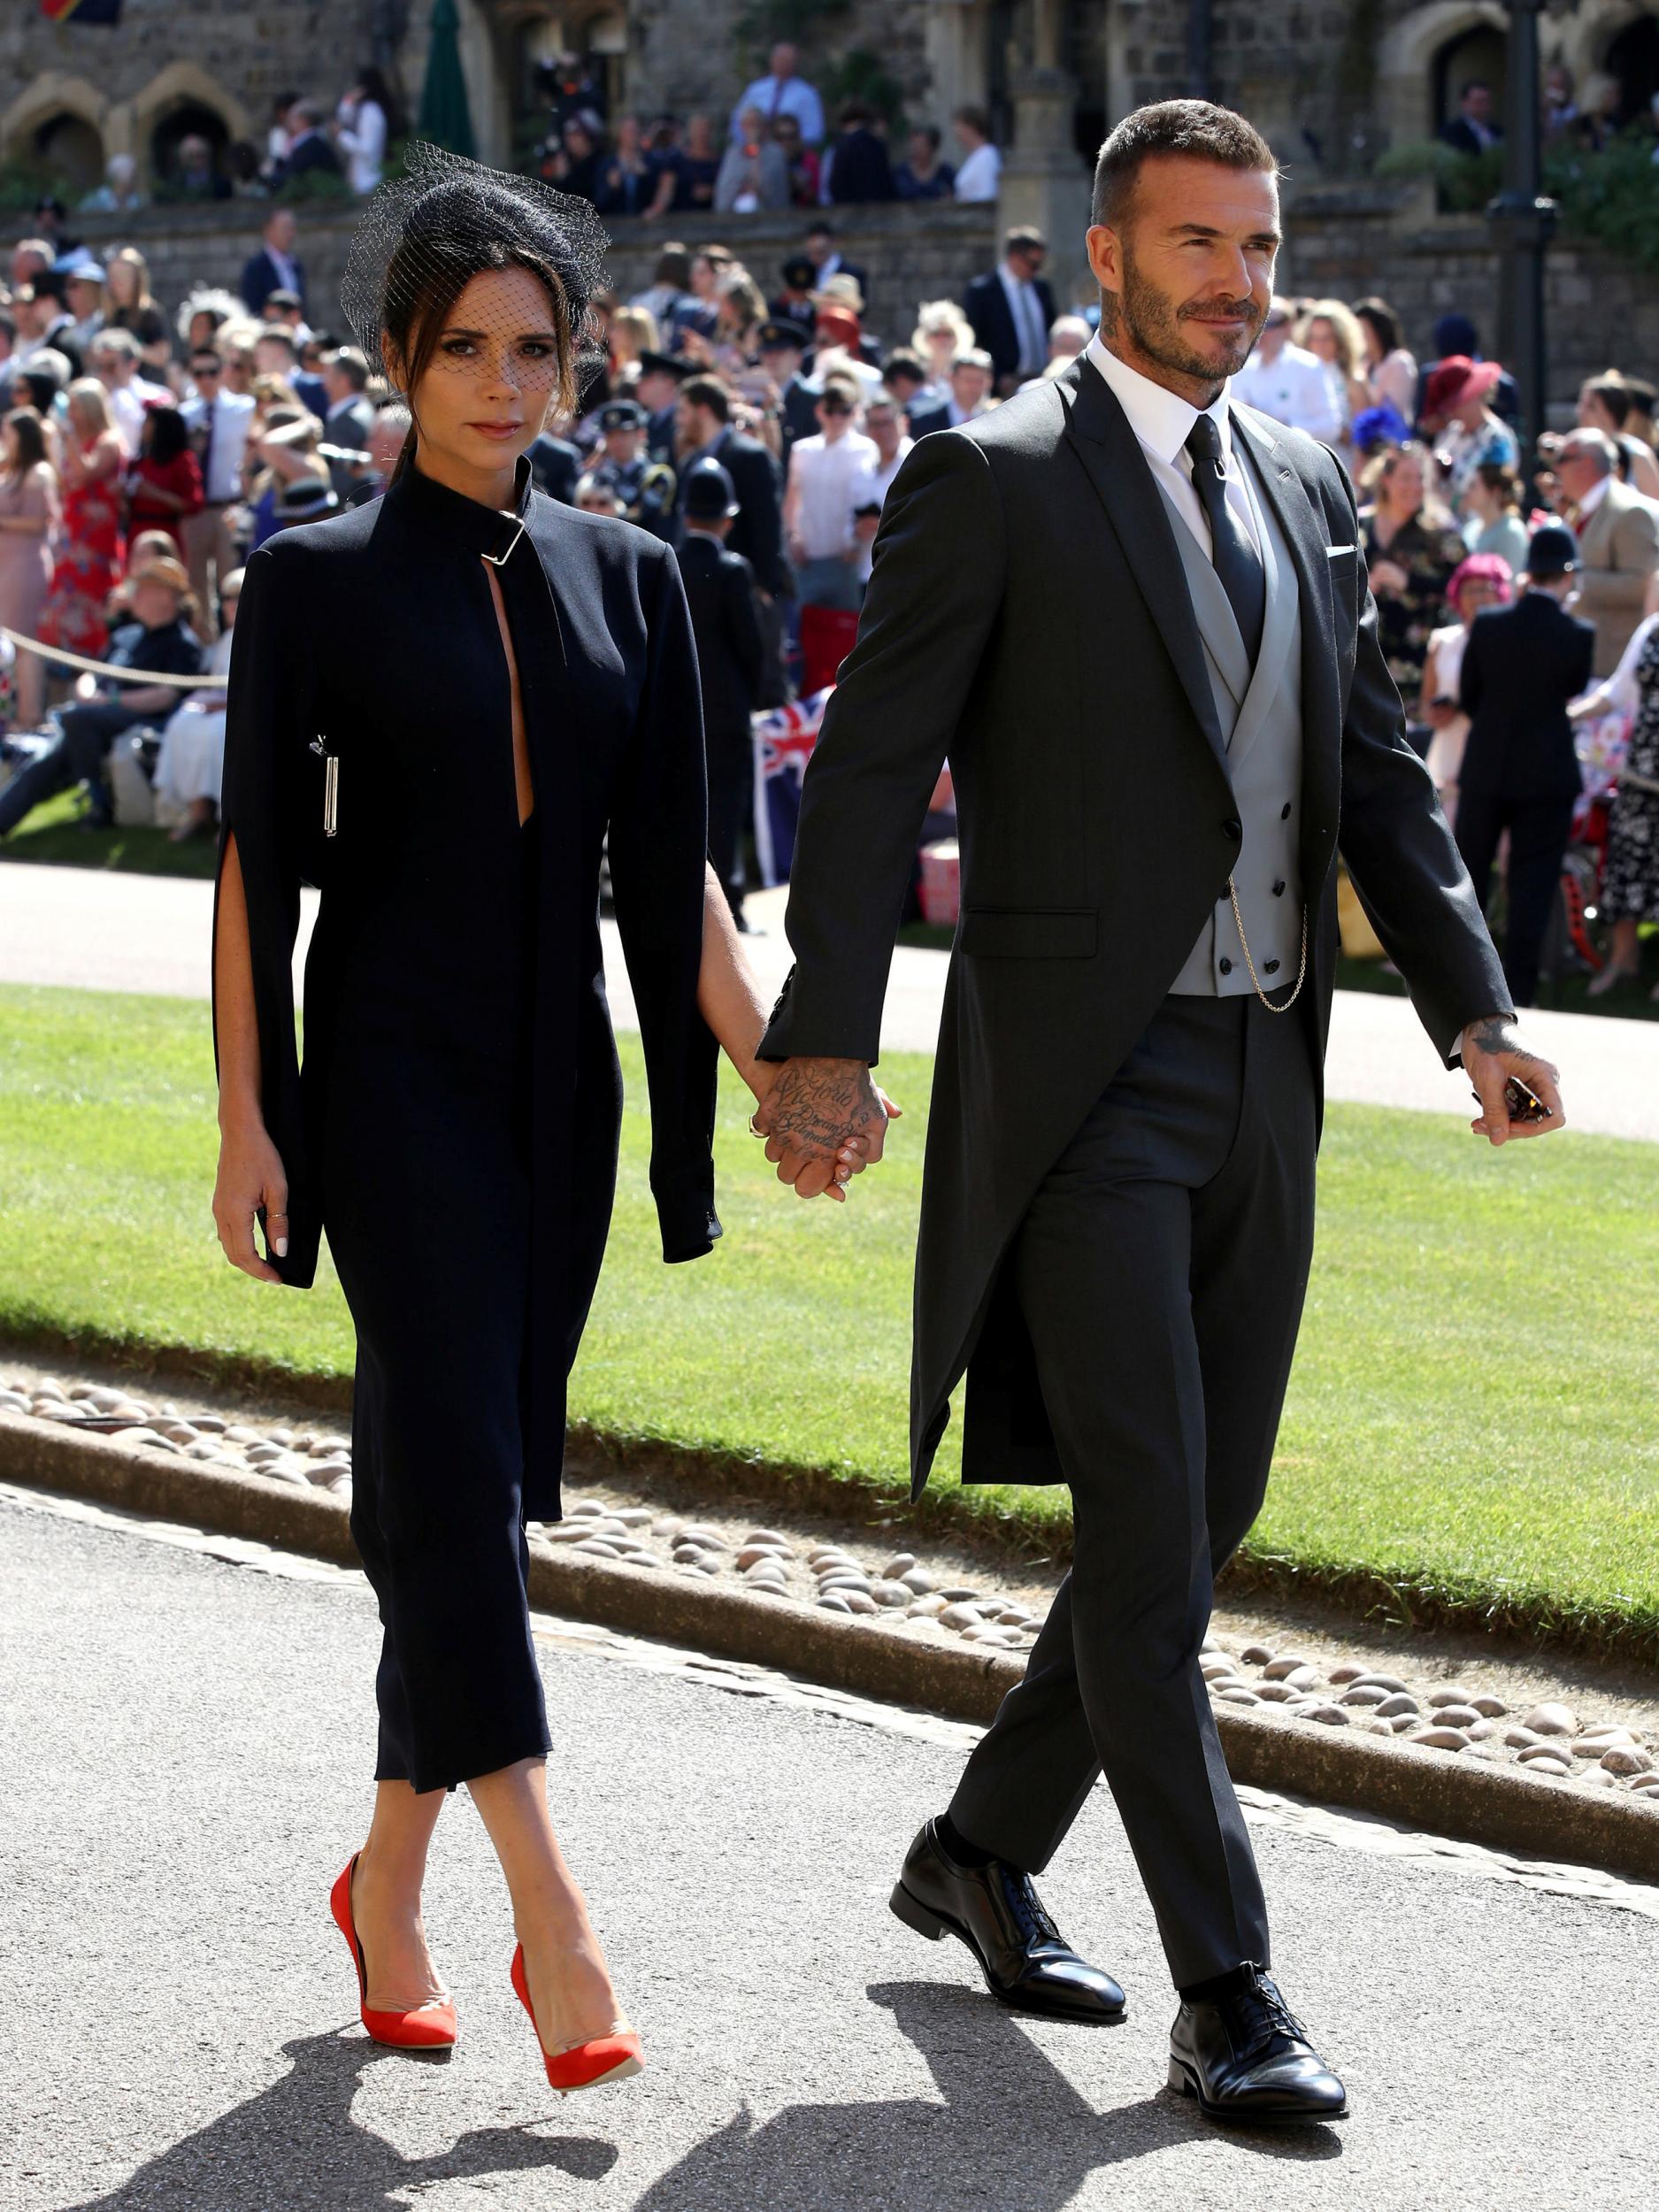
(441, 705)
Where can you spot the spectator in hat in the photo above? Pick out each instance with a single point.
(860, 172)
(783, 347)
(838, 329)
(821, 250)
(1618, 530)
(922, 176)
(118, 194)
(731, 662)
(597, 495)
(1522, 666)
(971, 380)
(1458, 413)
(1287, 382)
(1456, 334)
(44, 322)
(84, 290)
(557, 465)
(656, 388)
(979, 170)
(754, 176)
(781, 91)
(157, 638)
(704, 430)
(306, 498)
(942, 332)
(793, 301)
(644, 487)
(1011, 309)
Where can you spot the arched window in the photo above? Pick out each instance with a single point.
(72, 150)
(1632, 59)
(189, 118)
(1475, 53)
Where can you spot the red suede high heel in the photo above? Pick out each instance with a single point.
(611, 2057)
(428, 2028)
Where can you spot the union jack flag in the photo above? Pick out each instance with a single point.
(81, 11)
(784, 741)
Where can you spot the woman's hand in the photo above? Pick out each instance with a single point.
(250, 1175)
(1388, 578)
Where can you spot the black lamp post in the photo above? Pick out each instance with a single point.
(1523, 221)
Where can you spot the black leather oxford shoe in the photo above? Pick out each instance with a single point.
(998, 1914)
(1248, 2060)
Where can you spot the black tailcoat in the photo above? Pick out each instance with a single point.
(1028, 615)
(374, 635)
(1520, 666)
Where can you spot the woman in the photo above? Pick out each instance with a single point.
(92, 545)
(1485, 579)
(283, 441)
(164, 483)
(1492, 515)
(754, 176)
(1605, 403)
(627, 181)
(632, 331)
(1629, 889)
(30, 515)
(576, 164)
(1388, 369)
(1410, 549)
(942, 331)
(740, 308)
(190, 767)
(800, 160)
(455, 1124)
(1335, 334)
(695, 166)
(132, 306)
(364, 120)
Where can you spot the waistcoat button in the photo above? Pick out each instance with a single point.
(1268, 966)
(1233, 826)
(1226, 967)
(1284, 812)
(1278, 889)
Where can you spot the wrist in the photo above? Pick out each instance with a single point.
(240, 1117)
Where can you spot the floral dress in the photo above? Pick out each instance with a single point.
(1630, 892)
(92, 555)
(1406, 619)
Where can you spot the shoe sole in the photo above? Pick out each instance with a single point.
(620, 2071)
(934, 1926)
(1185, 2084)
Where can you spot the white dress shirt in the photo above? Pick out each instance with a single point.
(822, 474)
(1294, 389)
(870, 488)
(233, 411)
(979, 176)
(1163, 421)
(782, 96)
(1031, 324)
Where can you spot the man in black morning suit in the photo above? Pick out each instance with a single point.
(1134, 617)
(1522, 665)
(731, 661)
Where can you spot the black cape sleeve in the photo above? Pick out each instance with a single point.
(271, 806)
(658, 849)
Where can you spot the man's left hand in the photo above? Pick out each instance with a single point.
(1493, 1052)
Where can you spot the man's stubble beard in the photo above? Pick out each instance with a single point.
(1145, 317)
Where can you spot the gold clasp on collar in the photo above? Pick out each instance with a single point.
(499, 560)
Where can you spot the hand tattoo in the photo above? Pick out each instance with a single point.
(1492, 1033)
(817, 1105)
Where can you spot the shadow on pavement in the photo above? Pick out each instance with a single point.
(298, 2137)
(1011, 2130)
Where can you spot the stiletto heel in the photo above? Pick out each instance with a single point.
(611, 2057)
(430, 2027)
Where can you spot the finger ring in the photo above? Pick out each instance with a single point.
(753, 1131)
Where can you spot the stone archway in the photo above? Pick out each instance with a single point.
(54, 94)
(1406, 61)
(181, 84)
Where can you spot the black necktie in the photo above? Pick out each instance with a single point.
(1238, 564)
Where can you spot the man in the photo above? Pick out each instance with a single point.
(45, 322)
(115, 363)
(794, 301)
(704, 430)
(644, 487)
(826, 262)
(310, 148)
(1134, 618)
(195, 177)
(349, 411)
(120, 193)
(1472, 130)
(155, 640)
(1617, 532)
(275, 267)
(219, 421)
(970, 395)
(657, 391)
(922, 176)
(1287, 382)
(884, 427)
(1522, 666)
(781, 92)
(818, 500)
(276, 352)
(1012, 310)
(731, 663)
(30, 257)
(84, 291)
(860, 171)
(783, 345)
(979, 171)
(388, 434)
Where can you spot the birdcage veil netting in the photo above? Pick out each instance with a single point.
(423, 236)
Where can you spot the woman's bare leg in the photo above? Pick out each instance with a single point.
(565, 1965)
(385, 1898)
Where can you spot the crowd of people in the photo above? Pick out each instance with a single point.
(758, 407)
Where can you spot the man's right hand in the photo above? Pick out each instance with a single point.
(823, 1122)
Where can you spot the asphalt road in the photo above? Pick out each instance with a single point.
(186, 1739)
(98, 930)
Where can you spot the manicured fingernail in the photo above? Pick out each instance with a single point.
(281, 1248)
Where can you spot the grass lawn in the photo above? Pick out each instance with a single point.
(53, 833)
(1470, 1422)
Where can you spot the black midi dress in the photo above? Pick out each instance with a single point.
(454, 1125)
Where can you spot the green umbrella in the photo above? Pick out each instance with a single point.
(445, 118)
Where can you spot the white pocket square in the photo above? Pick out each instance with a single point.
(1333, 552)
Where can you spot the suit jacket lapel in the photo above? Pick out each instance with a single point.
(1100, 436)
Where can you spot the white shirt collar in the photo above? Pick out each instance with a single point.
(1596, 493)
(1161, 419)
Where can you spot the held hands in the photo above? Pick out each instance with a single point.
(1493, 1052)
(823, 1122)
(250, 1175)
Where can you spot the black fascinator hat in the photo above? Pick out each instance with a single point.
(424, 237)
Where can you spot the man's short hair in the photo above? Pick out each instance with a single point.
(710, 392)
(1614, 393)
(976, 119)
(278, 333)
(1472, 84)
(1024, 237)
(973, 357)
(1595, 444)
(903, 362)
(821, 226)
(114, 341)
(351, 363)
(1196, 129)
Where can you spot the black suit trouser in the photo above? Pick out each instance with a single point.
(90, 726)
(1539, 831)
(1161, 1272)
